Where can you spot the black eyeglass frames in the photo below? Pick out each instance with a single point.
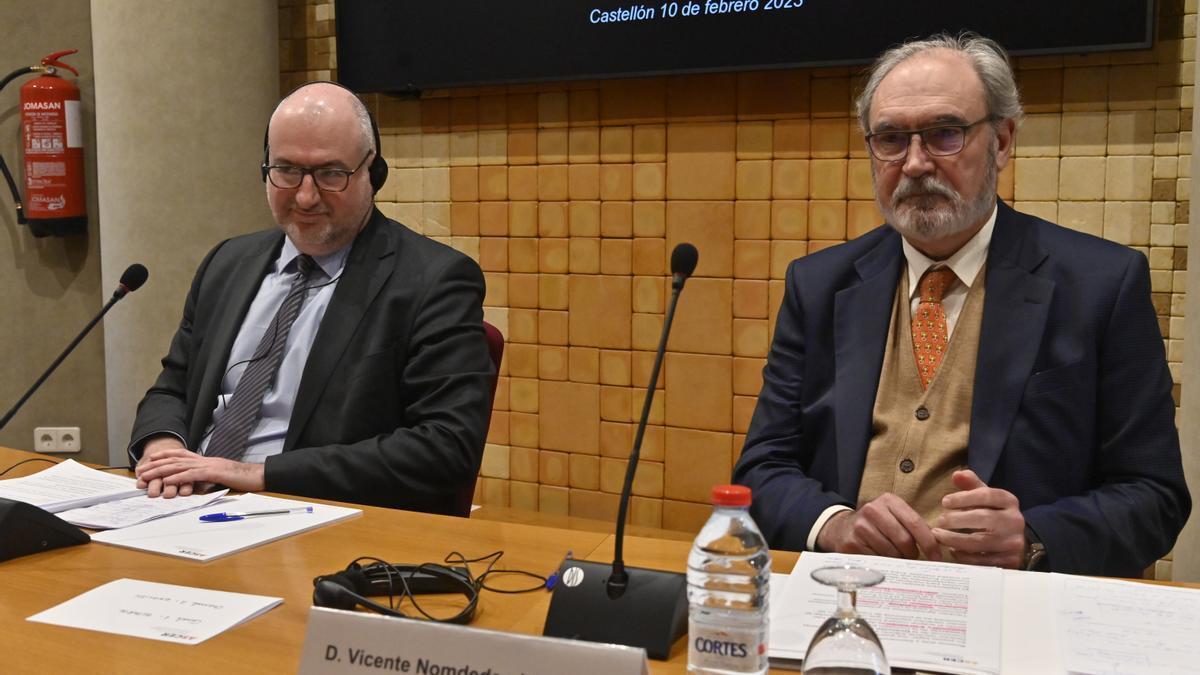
(327, 179)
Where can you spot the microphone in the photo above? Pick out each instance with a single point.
(683, 263)
(627, 606)
(135, 275)
(133, 278)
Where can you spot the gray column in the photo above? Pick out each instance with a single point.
(183, 93)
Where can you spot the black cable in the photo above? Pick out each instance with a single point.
(394, 575)
(396, 599)
(275, 335)
(256, 356)
(17, 73)
(26, 461)
(481, 581)
(12, 185)
(51, 461)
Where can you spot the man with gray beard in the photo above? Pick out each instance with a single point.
(966, 382)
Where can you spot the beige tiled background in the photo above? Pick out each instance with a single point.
(572, 195)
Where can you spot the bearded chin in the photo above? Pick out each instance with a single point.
(928, 218)
(929, 222)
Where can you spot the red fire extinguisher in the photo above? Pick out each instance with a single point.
(52, 141)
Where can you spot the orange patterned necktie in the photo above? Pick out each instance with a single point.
(929, 333)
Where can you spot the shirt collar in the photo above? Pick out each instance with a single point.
(966, 261)
(331, 264)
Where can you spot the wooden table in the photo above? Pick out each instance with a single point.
(271, 643)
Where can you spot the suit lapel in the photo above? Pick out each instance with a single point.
(362, 278)
(861, 315)
(1014, 317)
(246, 278)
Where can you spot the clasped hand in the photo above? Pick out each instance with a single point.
(981, 525)
(168, 469)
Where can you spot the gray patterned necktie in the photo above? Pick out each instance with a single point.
(245, 406)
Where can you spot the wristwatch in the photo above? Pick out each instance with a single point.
(1035, 551)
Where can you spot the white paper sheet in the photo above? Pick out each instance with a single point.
(68, 485)
(937, 616)
(185, 536)
(1110, 627)
(134, 510)
(1028, 639)
(157, 611)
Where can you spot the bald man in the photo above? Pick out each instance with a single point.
(339, 356)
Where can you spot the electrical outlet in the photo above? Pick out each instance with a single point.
(57, 439)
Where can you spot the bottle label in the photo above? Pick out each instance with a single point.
(741, 650)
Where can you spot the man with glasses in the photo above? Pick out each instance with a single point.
(339, 356)
(965, 382)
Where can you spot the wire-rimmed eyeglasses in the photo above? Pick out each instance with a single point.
(327, 179)
(940, 141)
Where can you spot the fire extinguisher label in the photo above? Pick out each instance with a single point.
(74, 117)
(48, 203)
(43, 132)
(47, 169)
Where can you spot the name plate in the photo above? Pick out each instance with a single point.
(352, 642)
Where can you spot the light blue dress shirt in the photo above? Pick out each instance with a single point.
(268, 435)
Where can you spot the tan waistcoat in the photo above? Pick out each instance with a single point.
(919, 437)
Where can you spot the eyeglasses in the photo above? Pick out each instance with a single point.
(288, 177)
(939, 141)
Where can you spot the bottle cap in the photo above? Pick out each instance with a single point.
(730, 495)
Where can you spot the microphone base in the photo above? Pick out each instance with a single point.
(26, 529)
(651, 613)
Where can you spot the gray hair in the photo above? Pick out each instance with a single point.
(985, 55)
(364, 121)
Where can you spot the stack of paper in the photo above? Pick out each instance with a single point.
(68, 485)
(186, 536)
(950, 618)
(929, 616)
(94, 499)
(157, 611)
(134, 510)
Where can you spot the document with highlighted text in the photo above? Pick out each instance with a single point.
(950, 618)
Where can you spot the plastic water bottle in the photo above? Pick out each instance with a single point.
(728, 582)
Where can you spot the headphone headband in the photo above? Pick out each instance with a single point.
(377, 171)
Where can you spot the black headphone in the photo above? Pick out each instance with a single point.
(377, 171)
(347, 589)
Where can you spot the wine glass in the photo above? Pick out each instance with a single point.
(846, 644)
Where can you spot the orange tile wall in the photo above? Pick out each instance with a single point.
(571, 197)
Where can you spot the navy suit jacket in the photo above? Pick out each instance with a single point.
(1072, 409)
(393, 404)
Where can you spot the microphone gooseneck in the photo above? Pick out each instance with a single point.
(683, 263)
(133, 278)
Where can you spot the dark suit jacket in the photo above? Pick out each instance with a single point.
(394, 401)
(1072, 409)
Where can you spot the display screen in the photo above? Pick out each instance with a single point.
(403, 45)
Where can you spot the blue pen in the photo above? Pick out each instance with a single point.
(239, 515)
